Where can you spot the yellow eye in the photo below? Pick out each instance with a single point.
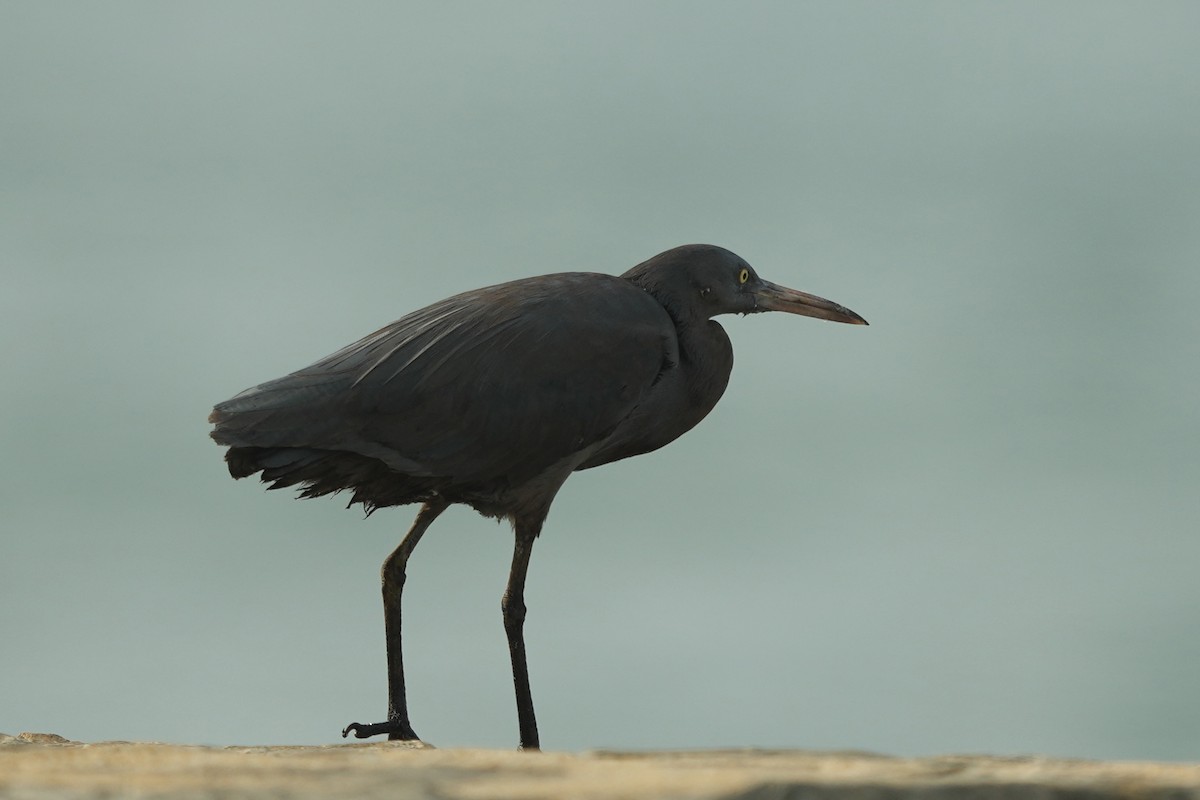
(744, 275)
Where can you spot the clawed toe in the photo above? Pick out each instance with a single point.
(395, 730)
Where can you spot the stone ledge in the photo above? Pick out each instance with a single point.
(42, 766)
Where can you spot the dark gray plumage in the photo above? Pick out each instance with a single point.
(494, 397)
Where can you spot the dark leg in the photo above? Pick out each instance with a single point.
(397, 725)
(513, 606)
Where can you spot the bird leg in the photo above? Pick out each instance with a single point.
(397, 725)
(513, 606)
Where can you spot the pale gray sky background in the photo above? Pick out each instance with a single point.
(972, 526)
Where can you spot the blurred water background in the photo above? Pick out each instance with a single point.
(973, 526)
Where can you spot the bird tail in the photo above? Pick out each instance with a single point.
(323, 472)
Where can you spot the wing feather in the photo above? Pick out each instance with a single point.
(494, 384)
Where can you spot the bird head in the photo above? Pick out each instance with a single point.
(699, 281)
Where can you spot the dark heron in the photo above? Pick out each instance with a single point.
(493, 398)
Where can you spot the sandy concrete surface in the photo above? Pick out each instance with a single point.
(40, 766)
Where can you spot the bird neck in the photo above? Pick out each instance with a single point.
(672, 293)
(706, 356)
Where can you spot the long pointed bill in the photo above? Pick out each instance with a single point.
(773, 297)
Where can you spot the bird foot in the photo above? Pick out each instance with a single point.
(394, 728)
